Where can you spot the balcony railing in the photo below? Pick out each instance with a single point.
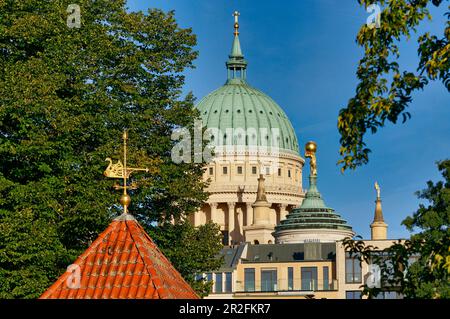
(283, 285)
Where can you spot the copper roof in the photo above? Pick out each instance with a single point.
(122, 263)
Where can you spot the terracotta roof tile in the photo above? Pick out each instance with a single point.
(122, 263)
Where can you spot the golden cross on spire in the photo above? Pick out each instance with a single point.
(120, 170)
(236, 15)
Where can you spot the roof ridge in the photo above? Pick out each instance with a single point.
(155, 278)
(168, 262)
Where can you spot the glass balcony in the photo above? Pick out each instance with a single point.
(283, 285)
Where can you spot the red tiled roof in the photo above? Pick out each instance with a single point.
(122, 263)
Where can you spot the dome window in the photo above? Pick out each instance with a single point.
(215, 112)
(205, 112)
(250, 111)
(261, 112)
(287, 140)
(226, 111)
(239, 111)
(279, 115)
(270, 113)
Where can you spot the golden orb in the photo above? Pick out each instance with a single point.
(125, 200)
(311, 147)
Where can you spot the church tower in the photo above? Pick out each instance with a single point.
(313, 221)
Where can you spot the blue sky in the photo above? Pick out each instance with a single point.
(304, 55)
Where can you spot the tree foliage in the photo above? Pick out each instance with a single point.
(384, 90)
(418, 267)
(66, 94)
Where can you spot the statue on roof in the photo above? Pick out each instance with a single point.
(261, 192)
(377, 188)
(310, 152)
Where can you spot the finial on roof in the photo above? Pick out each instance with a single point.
(236, 63)
(236, 15)
(120, 170)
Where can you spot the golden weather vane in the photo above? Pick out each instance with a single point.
(120, 170)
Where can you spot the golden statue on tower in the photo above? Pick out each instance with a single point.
(310, 152)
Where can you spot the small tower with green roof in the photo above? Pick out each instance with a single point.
(313, 221)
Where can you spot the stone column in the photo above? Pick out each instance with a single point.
(283, 211)
(231, 207)
(213, 207)
(249, 214)
(239, 228)
(196, 219)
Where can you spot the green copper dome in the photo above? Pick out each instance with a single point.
(313, 213)
(236, 105)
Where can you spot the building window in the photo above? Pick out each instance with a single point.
(218, 282)
(289, 173)
(353, 294)
(211, 171)
(388, 295)
(279, 172)
(225, 237)
(326, 279)
(225, 170)
(352, 269)
(199, 277)
(228, 281)
(254, 170)
(209, 279)
(268, 280)
(267, 170)
(309, 278)
(290, 278)
(249, 279)
(239, 170)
